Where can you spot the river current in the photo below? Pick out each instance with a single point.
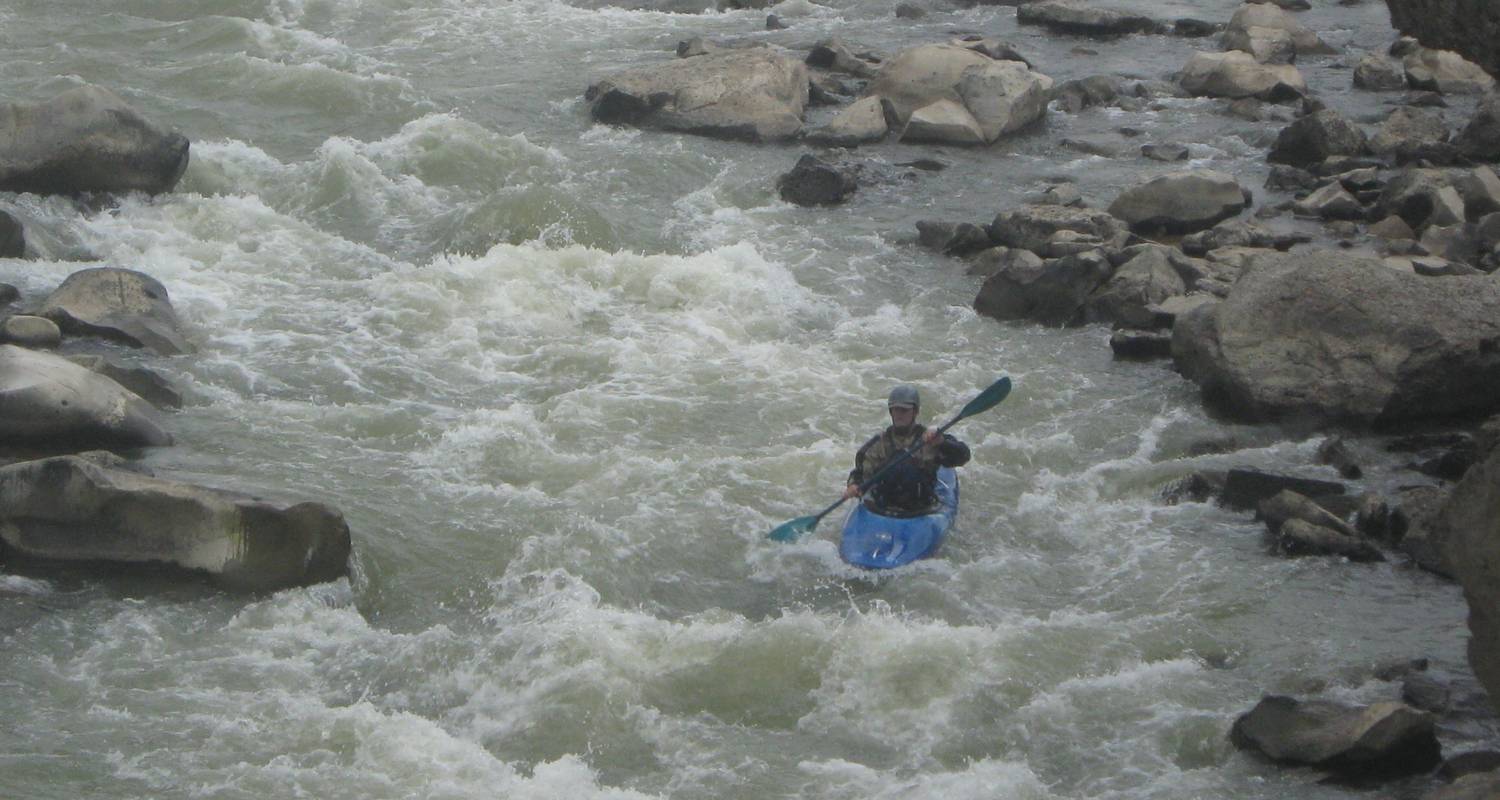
(563, 378)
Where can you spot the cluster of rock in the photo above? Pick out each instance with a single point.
(63, 496)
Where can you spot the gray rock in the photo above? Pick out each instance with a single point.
(1409, 128)
(1480, 139)
(1417, 196)
(1053, 294)
(8, 294)
(1180, 202)
(834, 56)
(1287, 505)
(1315, 137)
(1376, 73)
(1467, 26)
(1165, 152)
(71, 509)
(945, 121)
(952, 238)
(815, 182)
(1373, 519)
(1426, 693)
(758, 95)
(861, 122)
(1260, 15)
(1392, 227)
(1329, 336)
(1335, 453)
(998, 49)
(1472, 516)
(1237, 74)
(1062, 194)
(1079, 19)
(1330, 202)
(1196, 28)
(46, 399)
(37, 333)
(997, 259)
(1140, 345)
(1474, 761)
(1380, 740)
(910, 11)
(1097, 90)
(998, 96)
(1478, 786)
(1265, 45)
(1296, 537)
(144, 383)
(1480, 189)
(120, 304)
(1417, 523)
(1031, 227)
(86, 140)
(1125, 299)
(1164, 314)
(1004, 97)
(1246, 489)
(12, 237)
(1446, 72)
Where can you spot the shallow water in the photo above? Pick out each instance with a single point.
(562, 379)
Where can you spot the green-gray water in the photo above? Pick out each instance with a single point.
(563, 378)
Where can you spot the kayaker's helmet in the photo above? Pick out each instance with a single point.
(904, 396)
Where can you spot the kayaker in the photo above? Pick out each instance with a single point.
(907, 489)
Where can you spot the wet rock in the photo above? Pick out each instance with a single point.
(962, 93)
(1053, 294)
(36, 333)
(998, 259)
(1400, 668)
(1124, 299)
(1032, 227)
(910, 11)
(1062, 194)
(945, 121)
(1330, 202)
(833, 55)
(1476, 761)
(1419, 530)
(952, 238)
(119, 304)
(1467, 26)
(1287, 178)
(1480, 786)
(71, 509)
(1260, 15)
(1446, 72)
(1316, 137)
(1385, 739)
(86, 140)
(1079, 19)
(815, 182)
(1480, 138)
(1409, 128)
(1238, 233)
(1139, 345)
(1426, 693)
(47, 400)
(12, 237)
(1421, 197)
(1165, 313)
(757, 95)
(1265, 45)
(1165, 152)
(1335, 453)
(1287, 505)
(1244, 489)
(1328, 336)
(1198, 487)
(1196, 28)
(861, 122)
(1472, 515)
(774, 23)
(1075, 95)
(1376, 73)
(1373, 519)
(1298, 538)
(1180, 202)
(143, 382)
(1067, 243)
(1236, 74)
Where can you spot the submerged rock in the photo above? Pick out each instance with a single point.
(73, 509)
(86, 140)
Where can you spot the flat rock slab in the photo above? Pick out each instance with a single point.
(1246, 488)
(120, 304)
(757, 95)
(47, 399)
(86, 140)
(78, 510)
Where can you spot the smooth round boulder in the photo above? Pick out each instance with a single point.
(1445, 72)
(1262, 15)
(119, 304)
(1236, 74)
(49, 401)
(756, 95)
(1180, 202)
(36, 333)
(86, 140)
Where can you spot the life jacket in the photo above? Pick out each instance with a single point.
(908, 487)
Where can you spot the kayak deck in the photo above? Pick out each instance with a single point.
(876, 541)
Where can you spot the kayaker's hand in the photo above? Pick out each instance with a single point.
(852, 490)
(931, 436)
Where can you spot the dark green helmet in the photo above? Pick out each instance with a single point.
(904, 395)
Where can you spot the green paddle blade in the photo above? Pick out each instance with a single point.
(789, 531)
(987, 399)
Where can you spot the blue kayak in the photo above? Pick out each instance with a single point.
(876, 541)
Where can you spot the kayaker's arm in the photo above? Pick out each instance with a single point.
(952, 452)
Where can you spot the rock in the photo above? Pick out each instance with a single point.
(1480, 139)
(1164, 152)
(945, 121)
(8, 294)
(1453, 248)
(758, 95)
(997, 96)
(1418, 197)
(1237, 233)
(1480, 189)
(1476, 761)
(1375, 73)
(1400, 668)
(1260, 15)
(1298, 538)
(952, 238)
(119, 304)
(1419, 530)
(1315, 137)
(36, 333)
(834, 56)
(1330, 202)
(1062, 194)
(1384, 739)
(910, 11)
(47, 400)
(1079, 19)
(1373, 520)
(1467, 26)
(1336, 337)
(1067, 243)
(1471, 514)
(996, 259)
(1479, 786)
(861, 122)
(994, 48)
(71, 509)
(1288, 178)
(774, 23)
(1446, 72)
(1286, 505)
(815, 182)
(1125, 298)
(1409, 128)
(86, 140)
(1197, 487)
(1164, 314)
(1335, 453)
(1265, 45)
(1031, 227)
(1196, 28)
(1392, 227)
(1075, 95)
(1426, 693)
(1244, 489)
(1140, 345)
(1236, 74)
(144, 383)
(12, 237)
(1053, 294)
(697, 46)
(1180, 202)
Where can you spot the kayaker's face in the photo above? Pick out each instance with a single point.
(902, 417)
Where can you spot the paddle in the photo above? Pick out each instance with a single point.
(987, 399)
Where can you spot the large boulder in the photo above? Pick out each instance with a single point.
(860, 122)
(76, 509)
(1032, 227)
(1445, 71)
(1381, 740)
(1237, 74)
(1407, 128)
(1266, 16)
(815, 182)
(1081, 19)
(1327, 336)
(12, 237)
(757, 95)
(1266, 45)
(1316, 137)
(120, 304)
(1480, 139)
(1130, 297)
(963, 94)
(86, 140)
(1471, 518)
(1471, 27)
(1052, 292)
(50, 402)
(1180, 202)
